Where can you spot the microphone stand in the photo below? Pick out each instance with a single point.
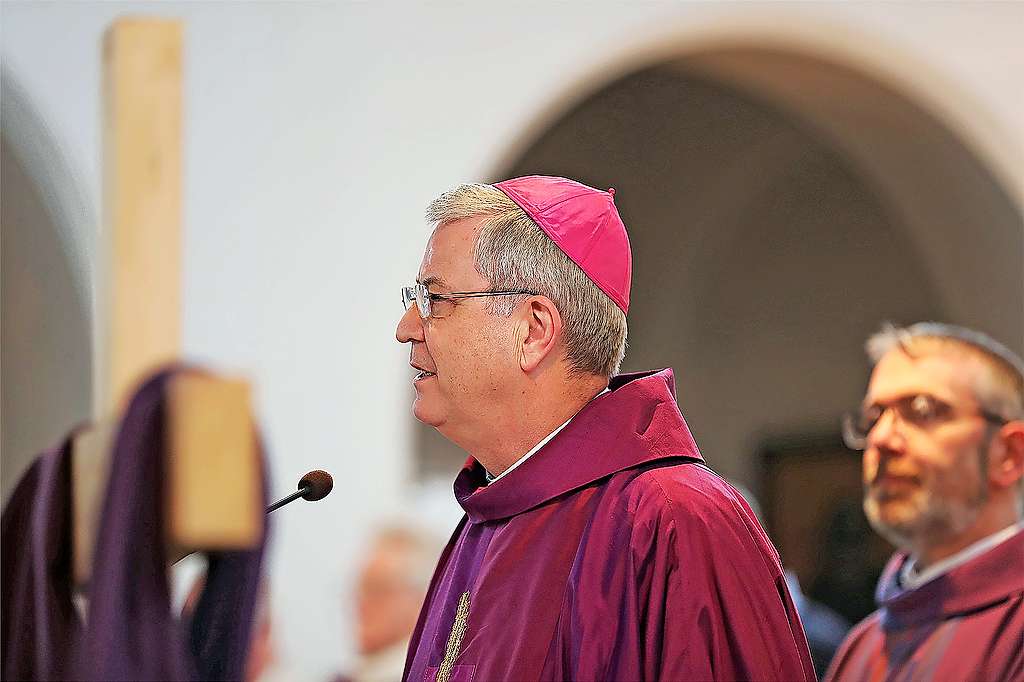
(294, 496)
(177, 555)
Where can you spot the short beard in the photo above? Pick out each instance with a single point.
(930, 519)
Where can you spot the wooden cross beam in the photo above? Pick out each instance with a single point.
(214, 477)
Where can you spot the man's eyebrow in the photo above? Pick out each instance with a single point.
(906, 395)
(432, 280)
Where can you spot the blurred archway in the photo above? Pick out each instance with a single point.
(781, 207)
(46, 301)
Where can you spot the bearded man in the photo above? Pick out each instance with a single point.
(942, 429)
(596, 544)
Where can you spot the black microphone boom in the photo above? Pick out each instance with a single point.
(312, 487)
(285, 500)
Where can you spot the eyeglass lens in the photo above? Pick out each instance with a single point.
(921, 411)
(418, 294)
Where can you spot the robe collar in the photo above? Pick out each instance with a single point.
(636, 423)
(985, 580)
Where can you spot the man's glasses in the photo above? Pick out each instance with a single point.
(922, 411)
(428, 303)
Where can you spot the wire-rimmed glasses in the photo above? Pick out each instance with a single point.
(421, 296)
(921, 411)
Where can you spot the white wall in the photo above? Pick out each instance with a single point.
(315, 134)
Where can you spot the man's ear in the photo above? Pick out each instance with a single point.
(1007, 467)
(543, 326)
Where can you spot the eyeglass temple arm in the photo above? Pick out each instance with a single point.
(475, 294)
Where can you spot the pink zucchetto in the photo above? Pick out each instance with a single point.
(584, 223)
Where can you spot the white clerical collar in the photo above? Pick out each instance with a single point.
(542, 443)
(911, 579)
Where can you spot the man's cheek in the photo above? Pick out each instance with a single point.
(870, 466)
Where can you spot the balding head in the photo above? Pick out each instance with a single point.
(392, 583)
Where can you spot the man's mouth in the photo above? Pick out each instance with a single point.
(893, 484)
(423, 374)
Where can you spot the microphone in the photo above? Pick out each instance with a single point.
(312, 487)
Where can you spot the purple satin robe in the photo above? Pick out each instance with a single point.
(39, 619)
(131, 633)
(612, 553)
(967, 624)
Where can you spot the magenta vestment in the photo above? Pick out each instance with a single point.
(612, 553)
(967, 624)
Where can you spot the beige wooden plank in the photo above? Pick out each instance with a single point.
(138, 284)
(214, 474)
(142, 202)
(90, 468)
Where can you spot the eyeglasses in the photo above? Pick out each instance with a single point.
(921, 411)
(425, 301)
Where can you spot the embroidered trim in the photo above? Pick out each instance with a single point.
(451, 651)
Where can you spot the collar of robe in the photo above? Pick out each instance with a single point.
(635, 424)
(983, 581)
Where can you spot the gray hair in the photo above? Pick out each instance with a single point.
(1000, 390)
(512, 252)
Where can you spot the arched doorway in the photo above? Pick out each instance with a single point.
(46, 307)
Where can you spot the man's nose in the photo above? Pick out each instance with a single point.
(410, 326)
(885, 436)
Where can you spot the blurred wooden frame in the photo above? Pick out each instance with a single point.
(213, 477)
(808, 481)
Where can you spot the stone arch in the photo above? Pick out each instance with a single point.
(47, 315)
(902, 206)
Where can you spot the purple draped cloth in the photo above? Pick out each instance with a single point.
(612, 553)
(39, 621)
(131, 633)
(967, 624)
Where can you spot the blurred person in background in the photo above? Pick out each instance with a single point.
(388, 596)
(596, 545)
(942, 429)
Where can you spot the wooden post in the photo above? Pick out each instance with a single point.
(213, 481)
(142, 69)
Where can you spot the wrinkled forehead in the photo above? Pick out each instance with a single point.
(448, 256)
(949, 376)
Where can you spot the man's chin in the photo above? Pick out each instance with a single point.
(421, 409)
(897, 522)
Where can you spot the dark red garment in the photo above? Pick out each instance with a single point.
(967, 624)
(612, 553)
(39, 619)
